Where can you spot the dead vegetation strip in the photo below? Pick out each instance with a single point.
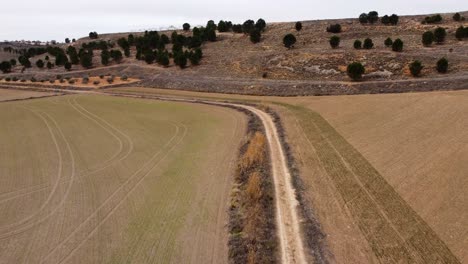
(395, 232)
(252, 225)
(314, 236)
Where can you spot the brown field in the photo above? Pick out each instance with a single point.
(385, 174)
(10, 94)
(149, 184)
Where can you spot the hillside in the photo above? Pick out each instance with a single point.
(310, 67)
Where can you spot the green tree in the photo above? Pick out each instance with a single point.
(457, 17)
(336, 28)
(394, 19)
(357, 44)
(385, 20)
(150, 57)
(439, 35)
(5, 66)
(298, 26)
(427, 38)
(255, 35)
(363, 19)
(116, 55)
(368, 44)
(261, 24)
(105, 57)
(86, 59)
(460, 34)
(222, 26)
(68, 66)
(442, 65)
(355, 71)
(397, 45)
(50, 65)
(13, 62)
(335, 42)
(40, 64)
(186, 26)
(289, 40)
(415, 68)
(180, 60)
(67, 40)
(373, 17)
(388, 42)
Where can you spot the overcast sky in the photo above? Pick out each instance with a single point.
(57, 19)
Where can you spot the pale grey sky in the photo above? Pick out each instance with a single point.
(57, 19)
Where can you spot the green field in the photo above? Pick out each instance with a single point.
(114, 180)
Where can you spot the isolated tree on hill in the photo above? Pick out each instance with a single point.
(261, 24)
(388, 42)
(186, 26)
(373, 17)
(363, 19)
(394, 19)
(357, 44)
(255, 36)
(298, 26)
(334, 28)
(335, 42)
(427, 38)
(68, 66)
(40, 64)
(442, 65)
(67, 40)
(368, 44)
(397, 45)
(93, 35)
(5, 66)
(415, 68)
(355, 71)
(439, 35)
(289, 40)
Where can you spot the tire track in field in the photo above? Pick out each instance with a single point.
(26, 226)
(126, 188)
(40, 187)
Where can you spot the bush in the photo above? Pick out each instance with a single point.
(357, 44)
(368, 44)
(93, 35)
(101, 76)
(124, 78)
(7, 79)
(62, 80)
(394, 19)
(50, 65)
(432, 19)
(23, 80)
(186, 26)
(68, 66)
(439, 35)
(260, 24)
(298, 26)
(289, 40)
(5, 66)
(461, 33)
(15, 79)
(110, 79)
(385, 20)
(58, 77)
(363, 18)
(427, 38)
(457, 17)
(334, 28)
(40, 64)
(397, 45)
(415, 68)
(255, 36)
(355, 71)
(335, 42)
(373, 16)
(96, 82)
(388, 42)
(442, 65)
(85, 80)
(71, 81)
(33, 79)
(52, 81)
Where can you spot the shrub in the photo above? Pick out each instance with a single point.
(355, 71)
(7, 79)
(335, 42)
(93, 35)
(110, 79)
(255, 36)
(461, 33)
(388, 42)
(68, 66)
(260, 24)
(442, 65)
(116, 55)
(13, 62)
(15, 79)
(298, 26)
(62, 80)
(385, 20)
(101, 76)
(415, 68)
(96, 82)
(357, 44)
(433, 19)
(50, 65)
(33, 79)
(363, 18)
(23, 80)
(368, 44)
(289, 40)
(40, 64)
(186, 26)
(427, 38)
(180, 60)
(5, 66)
(397, 45)
(71, 81)
(394, 19)
(105, 56)
(439, 35)
(457, 17)
(58, 77)
(334, 28)
(52, 81)
(124, 78)
(85, 80)
(373, 16)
